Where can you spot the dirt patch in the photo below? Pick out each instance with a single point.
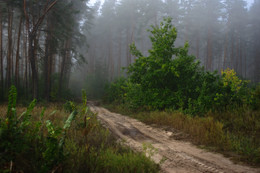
(166, 147)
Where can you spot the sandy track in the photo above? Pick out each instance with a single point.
(173, 156)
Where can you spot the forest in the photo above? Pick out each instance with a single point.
(191, 65)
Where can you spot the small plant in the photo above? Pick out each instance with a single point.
(149, 150)
(20, 136)
(69, 106)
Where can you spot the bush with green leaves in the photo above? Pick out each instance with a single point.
(31, 143)
(115, 91)
(23, 141)
(170, 78)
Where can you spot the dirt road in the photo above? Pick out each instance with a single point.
(173, 155)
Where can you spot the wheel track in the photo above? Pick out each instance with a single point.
(180, 156)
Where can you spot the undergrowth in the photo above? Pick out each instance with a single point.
(61, 139)
(220, 111)
(237, 137)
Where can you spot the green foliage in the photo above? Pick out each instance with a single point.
(111, 161)
(11, 99)
(69, 106)
(170, 78)
(115, 92)
(19, 137)
(31, 143)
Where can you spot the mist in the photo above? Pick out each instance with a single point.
(86, 44)
(221, 34)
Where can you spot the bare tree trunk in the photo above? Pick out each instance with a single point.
(209, 51)
(9, 54)
(225, 52)
(232, 52)
(17, 54)
(1, 57)
(33, 67)
(63, 64)
(46, 65)
(119, 55)
(128, 56)
(237, 54)
(25, 39)
(111, 59)
(198, 46)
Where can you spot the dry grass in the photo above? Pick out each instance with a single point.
(87, 145)
(204, 131)
(236, 136)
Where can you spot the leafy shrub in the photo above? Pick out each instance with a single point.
(233, 91)
(20, 137)
(43, 143)
(115, 92)
(168, 77)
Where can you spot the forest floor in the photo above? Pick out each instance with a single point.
(164, 146)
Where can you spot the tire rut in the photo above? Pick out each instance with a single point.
(172, 155)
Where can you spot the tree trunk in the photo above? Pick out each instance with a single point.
(119, 54)
(33, 41)
(33, 67)
(62, 72)
(209, 51)
(232, 52)
(46, 65)
(198, 46)
(1, 56)
(225, 52)
(17, 54)
(128, 56)
(9, 53)
(25, 39)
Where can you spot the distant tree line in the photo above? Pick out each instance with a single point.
(222, 33)
(38, 45)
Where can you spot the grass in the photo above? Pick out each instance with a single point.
(88, 146)
(235, 134)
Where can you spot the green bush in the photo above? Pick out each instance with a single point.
(45, 144)
(170, 78)
(115, 91)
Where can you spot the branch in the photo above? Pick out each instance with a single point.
(40, 20)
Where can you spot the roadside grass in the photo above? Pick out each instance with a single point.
(235, 134)
(88, 147)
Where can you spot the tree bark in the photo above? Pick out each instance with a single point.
(17, 54)
(209, 50)
(32, 42)
(198, 46)
(63, 64)
(25, 51)
(9, 53)
(1, 56)
(119, 54)
(225, 52)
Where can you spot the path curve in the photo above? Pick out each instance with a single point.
(174, 156)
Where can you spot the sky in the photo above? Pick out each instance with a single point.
(93, 1)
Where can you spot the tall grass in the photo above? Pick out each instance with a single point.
(234, 134)
(56, 139)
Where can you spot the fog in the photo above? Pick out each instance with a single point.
(85, 44)
(221, 34)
